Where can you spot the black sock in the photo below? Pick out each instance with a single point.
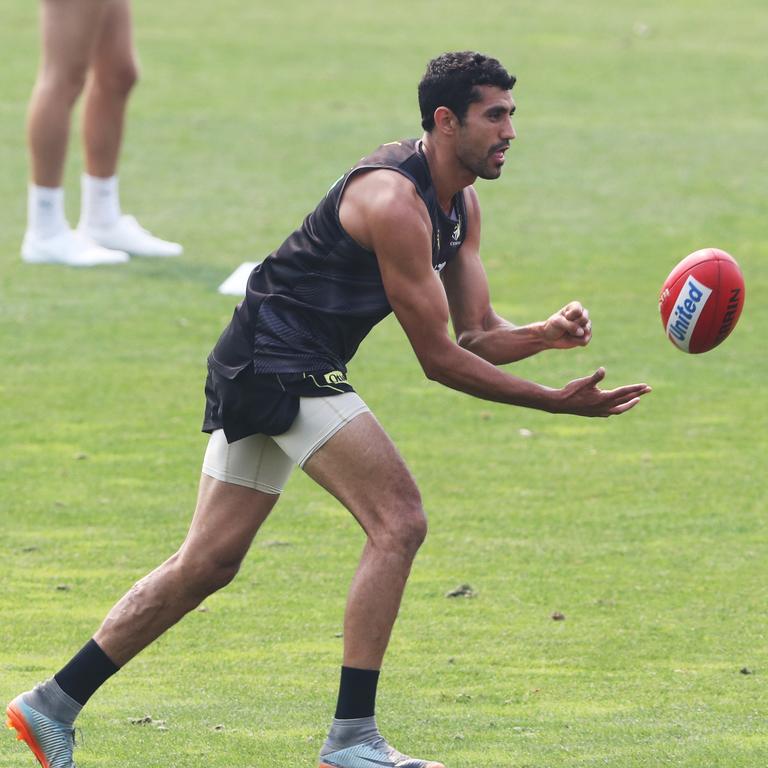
(81, 678)
(357, 693)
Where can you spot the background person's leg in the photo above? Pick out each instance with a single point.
(113, 74)
(69, 30)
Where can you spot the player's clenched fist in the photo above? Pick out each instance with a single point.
(570, 327)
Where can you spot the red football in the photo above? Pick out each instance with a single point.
(701, 300)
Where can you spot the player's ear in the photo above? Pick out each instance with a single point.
(445, 121)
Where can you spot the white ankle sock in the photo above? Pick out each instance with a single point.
(100, 206)
(45, 211)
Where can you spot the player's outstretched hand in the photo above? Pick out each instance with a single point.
(582, 397)
(568, 327)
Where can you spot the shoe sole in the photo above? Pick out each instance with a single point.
(23, 733)
(156, 255)
(81, 265)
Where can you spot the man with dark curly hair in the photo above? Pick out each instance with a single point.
(398, 232)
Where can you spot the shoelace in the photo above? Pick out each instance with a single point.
(76, 734)
(381, 744)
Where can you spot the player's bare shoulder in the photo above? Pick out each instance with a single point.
(380, 198)
(472, 207)
(471, 199)
(472, 203)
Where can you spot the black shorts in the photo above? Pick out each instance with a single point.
(252, 404)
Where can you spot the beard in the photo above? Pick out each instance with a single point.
(483, 165)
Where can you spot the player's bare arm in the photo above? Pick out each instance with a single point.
(383, 212)
(477, 326)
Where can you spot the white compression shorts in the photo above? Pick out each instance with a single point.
(264, 462)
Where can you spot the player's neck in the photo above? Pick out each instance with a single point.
(448, 177)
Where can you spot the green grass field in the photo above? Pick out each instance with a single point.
(642, 132)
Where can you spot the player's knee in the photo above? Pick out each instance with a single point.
(415, 531)
(65, 83)
(119, 78)
(217, 573)
(405, 528)
(205, 573)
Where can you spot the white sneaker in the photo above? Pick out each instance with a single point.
(129, 236)
(71, 248)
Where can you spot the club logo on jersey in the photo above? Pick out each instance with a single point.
(688, 308)
(456, 234)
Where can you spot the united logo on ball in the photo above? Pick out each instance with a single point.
(701, 300)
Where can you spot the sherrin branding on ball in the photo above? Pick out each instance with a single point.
(701, 300)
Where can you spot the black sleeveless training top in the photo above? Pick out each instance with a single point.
(309, 304)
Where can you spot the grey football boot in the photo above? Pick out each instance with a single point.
(50, 741)
(358, 744)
